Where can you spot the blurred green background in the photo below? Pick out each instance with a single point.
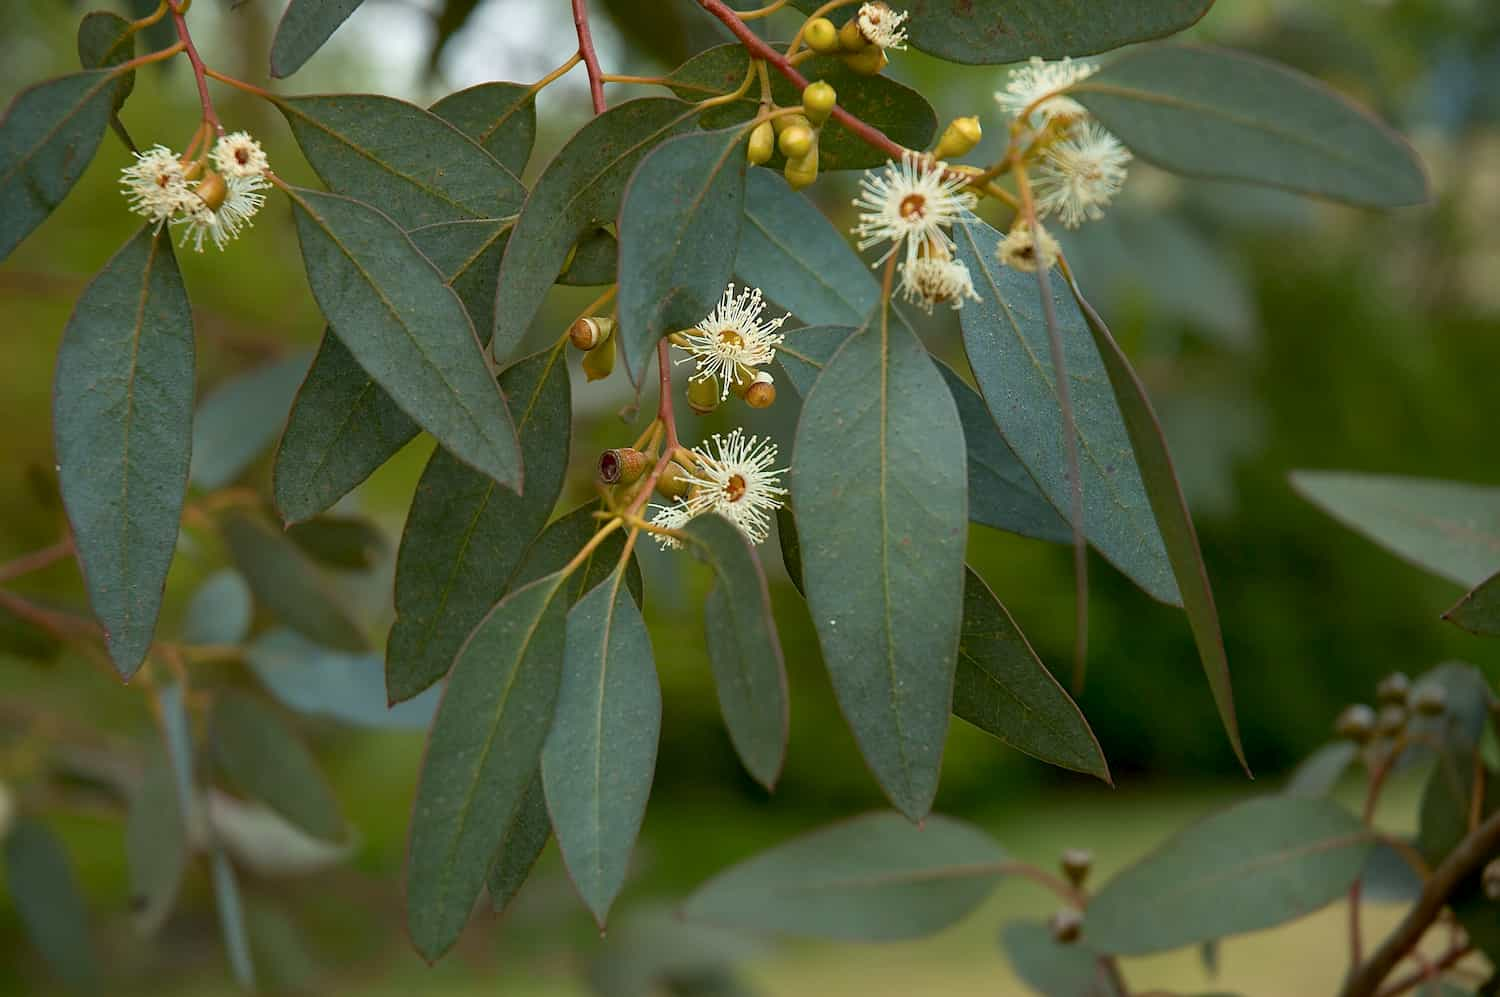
(1275, 334)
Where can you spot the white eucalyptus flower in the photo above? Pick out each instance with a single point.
(1019, 251)
(1080, 175)
(239, 155)
(914, 202)
(931, 280)
(881, 26)
(669, 517)
(733, 478)
(156, 185)
(242, 199)
(732, 336)
(1032, 85)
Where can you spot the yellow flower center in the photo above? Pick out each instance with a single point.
(734, 488)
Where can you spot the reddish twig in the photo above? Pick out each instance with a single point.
(199, 70)
(1427, 972)
(36, 560)
(590, 57)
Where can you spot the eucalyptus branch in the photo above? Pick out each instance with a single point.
(200, 74)
(590, 57)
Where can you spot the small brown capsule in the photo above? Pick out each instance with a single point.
(868, 62)
(599, 362)
(588, 333)
(1394, 688)
(851, 39)
(1076, 863)
(1491, 879)
(1066, 925)
(762, 391)
(703, 394)
(1356, 722)
(212, 190)
(1392, 720)
(674, 483)
(818, 101)
(1429, 700)
(622, 466)
(821, 36)
(762, 143)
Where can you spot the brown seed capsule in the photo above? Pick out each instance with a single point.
(821, 36)
(795, 142)
(623, 466)
(802, 172)
(1394, 688)
(959, 138)
(211, 190)
(818, 101)
(1357, 723)
(1491, 879)
(599, 362)
(1076, 863)
(703, 394)
(588, 333)
(868, 62)
(851, 39)
(1392, 720)
(1429, 700)
(1066, 925)
(762, 391)
(762, 143)
(673, 482)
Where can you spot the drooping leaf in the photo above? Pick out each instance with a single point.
(873, 878)
(260, 840)
(41, 885)
(1479, 610)
(465, 535)
(406, 328)
(1211, 112)
(156, 845)
(1255, 865)
(104, 41)
(1170, 509)
(743, 647)
(679, 229)
(177, 731)
(263, 757)
(288, 585)
(880, 497)
(279, 949)
(220, 611)
(1448, 527)
(564, 538)
(652, 949)
(346, 542)
(600, 757)
(525, 837)
(1321, 771)
(304, 27)
(482, 754)
(122, 426)
(501, 117)
(595, 260)
(1051, 968)
(319, 681)
(1002, 687)
(240, 418)
(232, 920)
(1006, 342)
(899, 111)
(47, 139)
(579, 190)
(343, 425)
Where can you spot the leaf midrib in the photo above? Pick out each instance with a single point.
(107, 77)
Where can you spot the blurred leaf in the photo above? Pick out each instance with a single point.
(525, 837)
(579, 190)
(1006, 342)
(1388, 878)
(319, 681)
(565, 537)
(177, 731)
(346, 542)
(156, 845)
(263, 757)
(1051, 968)
(594, 260)
(679, 228)
(232, 921)
(791, 546)
(1002, 687)
(1448, 527)
(159, 35)
(46, 896)
(220, 611)
(1479, 611)
(743, 647)
(406, 328)
(1211, 112)
(264, 842)
(342, 424)
(654, 946)
(873, 878)
(1468, 701)
(501, 117)
(240, 418)
(1446, 813)
(878, 491)
(303, 29)
(122, 426)
(1176, 522)
(104, 41)
(288, 585)
(47, 139)
(279, 949)
(1321, 771)
(600, 756)
(1257, 864)
(481, 756)
(465, 535)
(899, 111)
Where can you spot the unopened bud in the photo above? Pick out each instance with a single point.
(802, 172)
(703, 394)
(959, 138)
(818, 101)
(1392, 720)
(599, 362)
(674, 483)
(588, 333)
(821, 36)
(762, 390)
(1429, 700)
(743, 378)
(784, 121)
(851, 39)
(211, 190)
(1356, 722)
(1066, 925)
(1076, 863)
(1394, 688)
(1491, 879)
(623, 466)
(762, 143)
(795, 142)
(867, 62)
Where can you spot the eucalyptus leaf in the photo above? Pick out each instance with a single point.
(105, 40)
(1321, 771)
(346, 542)
(1050, 967)
(122, 427)
(1211, 112)
(232, 920)
(654, 948)
(481, 757)
(522, 844)
(565, 537)
(501, 117)
(288, 585)
(45, 894)
(743, 647)
(1257, 864)
(679, 229)
(880, 497)
(1388, 877)
(594, 262)
(304, 27)
(156, 845)
(241, 418)
(220, 611)
(876, 877)
(319, 681)
(263, 842)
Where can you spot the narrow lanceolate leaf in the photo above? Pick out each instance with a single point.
(156, 845)
(240, 418)
(1171, 511)
(1211, 112)
(1249, 867)
(879, 492)
(321, 682)
(303, 29)
(343, 425)
(1479, 611)
(122, 425)
(1003, 688)
(1005, 338)
(1451, 528)
(105, 39)
(1321, 771)
(1052, 968)
(47, 139)
(525, 837)
(600, 757)
(263, 758)
(407, 329)
(232, 920)
(285, 582)
(465, 535)
(347, 542)
(41, 886)
(872, 878)
(565, 537)
(482, 754)
(579, 190)
(501, 117)
(679, 229)
(743, 647)
(416, 167)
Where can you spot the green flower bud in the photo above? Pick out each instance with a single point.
(1392, 720)
(673, 482)
(795, 142)
(851, 39)
(703, 394)
(1394, 688)
(821, 36)
(802, 172)
(599, 362)
(1357, 723)
(818, 100)
(762, 143)
(959, 138)
(868, 62)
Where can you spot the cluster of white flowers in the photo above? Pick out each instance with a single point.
(881, 26)
(734, 476)
(732, 341)
(211, 203)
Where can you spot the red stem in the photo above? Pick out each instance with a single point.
(199, 70)
(36, 560)
(664, 406)
(590, 57)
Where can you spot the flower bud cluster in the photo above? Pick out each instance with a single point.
(729, 346)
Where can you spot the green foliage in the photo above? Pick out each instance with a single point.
(156, 844)
(290, 585)
(323, 682)
(1479, 610)
(232, 920)
(304, 27)
(520, 847)
(240, 418)
(1050, 967)
(501, 117)
(46, 896)
(105, 40)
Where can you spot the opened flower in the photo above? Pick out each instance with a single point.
(732, 337)
(881, 26)
(931, 280)
(156, 185)
(1036, 86)
(912, 204)
(670, 517)
(1020, 251)
(734, 478)
(239, 155)
(1079, 175)
(221, 206)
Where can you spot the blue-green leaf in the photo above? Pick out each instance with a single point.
(46, 896)
(1479, 610)
(319, 681)
(289, 585)
(303, 29)
(501, 117)
(156, 844)
(240, 418)
(525, 837)
(1051, 968)
(232, 920)
(263, 757)
(220, 611)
